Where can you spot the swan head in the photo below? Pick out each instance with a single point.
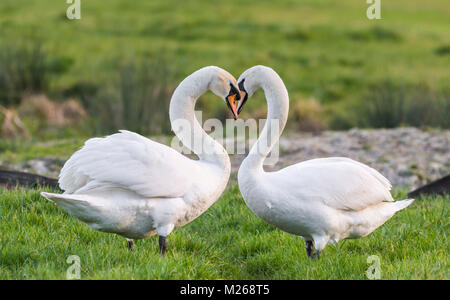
(224, 85)
(250, 81)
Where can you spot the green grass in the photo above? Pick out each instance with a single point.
(226, 242)
(15, 151)
(323, 49)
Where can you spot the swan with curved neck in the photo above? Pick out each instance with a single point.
(132, 186)
(322, 200)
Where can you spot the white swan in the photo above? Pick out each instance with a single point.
(132, 186)
(322, 200)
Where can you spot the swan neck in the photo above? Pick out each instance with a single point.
(277, 112)
(185, 124)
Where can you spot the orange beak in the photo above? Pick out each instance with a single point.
(232, 104)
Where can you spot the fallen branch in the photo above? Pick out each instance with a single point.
(439, 187)
(15, 178)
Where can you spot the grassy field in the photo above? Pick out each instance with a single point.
(325, 50)
(123, 59)
(226, 242)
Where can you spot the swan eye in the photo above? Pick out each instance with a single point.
(234, 90)
(244, 95)
(241, 85)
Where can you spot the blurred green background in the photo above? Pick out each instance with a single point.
(117, 66)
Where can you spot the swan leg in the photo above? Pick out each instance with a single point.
(130, 244)
(162, 245)
(163, 231)
(320, 242)
(309, 248)
(316, 254)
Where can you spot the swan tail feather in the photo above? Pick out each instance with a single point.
(59, 198)
(399, 205)
(82, 207)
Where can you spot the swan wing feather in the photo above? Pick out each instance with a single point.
(129, 161)
(383, 180)
(339, 183)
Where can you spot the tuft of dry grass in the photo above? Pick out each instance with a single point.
(37, 114)
(11, 125)
(52, 113)
(307, 115)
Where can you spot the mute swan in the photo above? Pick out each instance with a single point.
(322, 200)
(132, 186)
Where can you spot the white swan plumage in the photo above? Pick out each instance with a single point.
(135, 187)
(323, 200)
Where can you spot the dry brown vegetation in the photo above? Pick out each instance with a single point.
(11, 125)
(40, 113)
